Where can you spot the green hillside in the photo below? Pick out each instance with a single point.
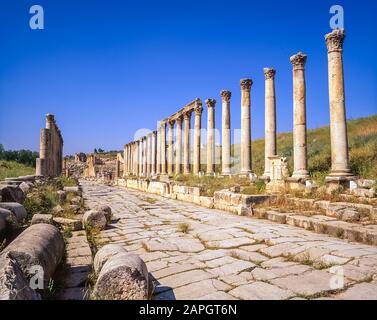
(362, 135)
(13, 169)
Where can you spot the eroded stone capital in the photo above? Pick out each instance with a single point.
(246, 84)
(198, 110)
(179, 119)
(299, 60)
(171, 123)
(187, 115)
(210, 103)
(335, 40)
(226, 95)
(269, 73)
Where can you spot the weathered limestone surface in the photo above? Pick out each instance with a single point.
(105, 253)
(40, 244)
(226, 133)
(17, 209)
(245, 126)
(94, 219)
(211, 136)
(299, 118)
(195, 252)
(270, 119)
(13, 284)
(340, 167)
(50, 161)
(123, 277)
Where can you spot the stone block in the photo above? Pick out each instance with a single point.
(42, 218)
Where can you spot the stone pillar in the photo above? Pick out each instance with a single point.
(44, 146)
(211, 136)
(158, 155)
(145, 156)
(136, 158)
(197, 135)
(163, 148)
(270, 120)
(225, 133)
(178, 147)
(125, 158)
(149, 154)
(299, 119)
(154, 156)
(340, 168)
(130, 158)
(245, 126)
(186, 144)
(140, 157)
(170, 158)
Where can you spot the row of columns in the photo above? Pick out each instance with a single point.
(154, 154)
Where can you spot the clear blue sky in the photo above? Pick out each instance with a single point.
(109, 68)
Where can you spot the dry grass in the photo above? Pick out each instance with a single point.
(184, 227)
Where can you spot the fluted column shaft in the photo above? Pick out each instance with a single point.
(225, 133)
(245, 126)
(270, 119)
(158, 152)
(154, 149)
(178, 147)
(211, 136)
(163, 148)
(149, 154)
(197, 136)
(299, 119)
(125, 159)
(170, 146)
(338, 123)
(186, 144)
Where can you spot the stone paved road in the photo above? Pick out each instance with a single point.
(224, 256)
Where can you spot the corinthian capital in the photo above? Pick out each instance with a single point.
(187, 115)
(210, 103)
(269, 73)
(171, 122)
(246, 84)
(198, 109)
(226, 95)
(335, 40)
(299, 60)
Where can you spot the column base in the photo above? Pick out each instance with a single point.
(334, 182)
(265, 177)
(297, 182)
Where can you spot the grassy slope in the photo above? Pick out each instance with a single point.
(362, 135)
(14, 169)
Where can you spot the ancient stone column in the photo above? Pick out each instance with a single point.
(145, 156)
(197, 134)
(136, 158)
(186, 143)
(154, 156)
(225, 133)
(211, 136)
(170, 146)
(163, 148)
(340, 167)
(245, 126)
(140, 157)
(125, 158)
(178, 147)
(299, 119)
(44, 147)
(130, 158)
(270, 119)
(149, 154)
(158, 151)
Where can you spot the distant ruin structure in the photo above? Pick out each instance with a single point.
(50, 161)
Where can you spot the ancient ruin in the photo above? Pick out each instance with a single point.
(125, 226)
(50, 161)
